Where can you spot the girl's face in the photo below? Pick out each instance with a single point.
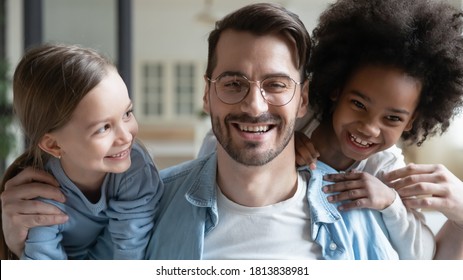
(99, 136)
(374, 108)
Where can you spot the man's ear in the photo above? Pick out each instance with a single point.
(304, 104)
(206, 100)
(49, 145)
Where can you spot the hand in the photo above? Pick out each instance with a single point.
(306, 154)
(358, 190)
(20, 212)
(430, 186)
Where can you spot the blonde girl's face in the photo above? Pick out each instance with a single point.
(100, 134)
(374, 108)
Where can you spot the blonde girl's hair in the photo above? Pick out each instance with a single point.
(48, 83)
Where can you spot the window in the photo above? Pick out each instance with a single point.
(153, 89)
(170, 90)
(184, 89)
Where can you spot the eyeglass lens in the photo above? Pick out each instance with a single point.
(276, 90)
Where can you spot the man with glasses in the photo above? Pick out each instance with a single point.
(247, 200)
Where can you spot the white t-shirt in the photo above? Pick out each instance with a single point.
(409, 234)
(278, 231)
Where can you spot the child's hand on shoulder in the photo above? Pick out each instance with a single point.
(306, 154)
(355, 189)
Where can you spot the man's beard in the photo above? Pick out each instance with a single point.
(250, 155)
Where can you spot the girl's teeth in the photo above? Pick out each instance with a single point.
(360, 141)
(118, 155)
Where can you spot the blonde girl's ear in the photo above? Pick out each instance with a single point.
(49, 145)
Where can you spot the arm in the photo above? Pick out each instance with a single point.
(358, 190)
(408, 232)
(306, 154)
(434, 187)
(131, 209)
(44, 243)
(20, 212)
(450, 242)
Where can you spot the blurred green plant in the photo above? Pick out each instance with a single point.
(7, 138)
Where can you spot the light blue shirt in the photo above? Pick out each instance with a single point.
(188, 212)
(118, 226)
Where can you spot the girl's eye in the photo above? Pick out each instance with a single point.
(102, 129)
(128, 114)
(393, 118)
(358, 104)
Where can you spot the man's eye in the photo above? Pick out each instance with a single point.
(275, 85)
(233, 84)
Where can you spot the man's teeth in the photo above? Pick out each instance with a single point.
(360, 142)
(260, 128)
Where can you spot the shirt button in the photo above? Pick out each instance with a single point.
(333, 246)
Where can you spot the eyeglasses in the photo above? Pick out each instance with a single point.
(276, 90)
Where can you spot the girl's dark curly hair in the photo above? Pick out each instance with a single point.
(423, 38)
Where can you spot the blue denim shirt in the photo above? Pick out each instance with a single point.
(188, 212)
(117, 226)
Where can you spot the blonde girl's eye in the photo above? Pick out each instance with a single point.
(103, 129)
(128, 114)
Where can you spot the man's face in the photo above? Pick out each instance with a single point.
(253, 132)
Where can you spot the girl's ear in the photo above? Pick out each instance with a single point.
(334, 95)
(49, 145)
(409, 125)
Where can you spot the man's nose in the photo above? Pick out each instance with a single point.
(254, 103)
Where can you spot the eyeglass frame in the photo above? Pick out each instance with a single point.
(258, 83)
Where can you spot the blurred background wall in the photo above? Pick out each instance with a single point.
(169, 48)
